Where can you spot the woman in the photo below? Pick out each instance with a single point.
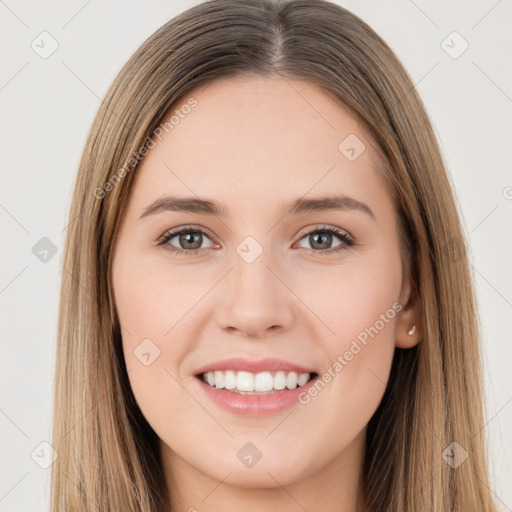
(316, 344)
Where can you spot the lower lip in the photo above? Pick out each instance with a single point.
(255, 405)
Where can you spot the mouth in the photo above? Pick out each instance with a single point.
(261, 383)
(254, 387)
(259, 394)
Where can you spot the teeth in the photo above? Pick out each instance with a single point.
(255, 383)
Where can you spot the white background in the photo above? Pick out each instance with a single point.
(48, 105)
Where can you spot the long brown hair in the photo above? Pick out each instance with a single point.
(108, 457)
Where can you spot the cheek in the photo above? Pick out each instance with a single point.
(151, 299)
(364, 309)
(154, 306)
(356, 302)
(358, 306)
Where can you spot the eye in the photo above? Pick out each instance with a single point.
(322, 238)
(189, 239)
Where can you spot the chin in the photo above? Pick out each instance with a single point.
(261, 476)
(271, 470)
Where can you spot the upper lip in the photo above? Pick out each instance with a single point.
(254, 366)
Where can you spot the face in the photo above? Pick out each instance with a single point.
(263, 287)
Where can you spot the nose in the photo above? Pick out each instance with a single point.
(257, 300)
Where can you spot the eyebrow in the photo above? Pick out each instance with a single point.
(212, 207)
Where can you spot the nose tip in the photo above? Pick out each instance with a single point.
(257, 302)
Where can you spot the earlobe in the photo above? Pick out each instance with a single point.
(409, 328)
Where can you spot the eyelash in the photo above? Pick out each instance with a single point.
(347, 241)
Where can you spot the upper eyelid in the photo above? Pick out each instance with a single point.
(176, 231)
(322, 227)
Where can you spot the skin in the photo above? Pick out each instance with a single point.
(255, 144)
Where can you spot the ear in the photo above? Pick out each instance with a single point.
(409, 316)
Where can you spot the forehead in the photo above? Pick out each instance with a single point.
(266, 139)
